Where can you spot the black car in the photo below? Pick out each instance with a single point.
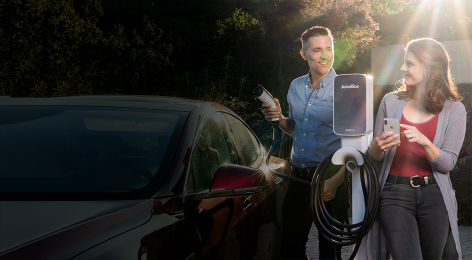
(129, 177)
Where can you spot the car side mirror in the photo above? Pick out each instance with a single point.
(234, 180)
(231, 177)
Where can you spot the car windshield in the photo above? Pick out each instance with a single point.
(78, 149)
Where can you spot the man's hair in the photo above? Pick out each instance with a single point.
(316, 30)
(437, 74)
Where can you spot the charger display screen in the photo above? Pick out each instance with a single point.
(349, 105)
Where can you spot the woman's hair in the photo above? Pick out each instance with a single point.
(437, 75)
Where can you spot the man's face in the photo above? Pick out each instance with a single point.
(319, 53)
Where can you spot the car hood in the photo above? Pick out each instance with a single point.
(22, 222)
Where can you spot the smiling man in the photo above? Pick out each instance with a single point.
(310, 123)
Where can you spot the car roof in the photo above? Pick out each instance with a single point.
(150, 102)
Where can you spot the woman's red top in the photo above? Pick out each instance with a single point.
(410, 158)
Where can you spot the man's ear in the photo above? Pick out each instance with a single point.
(302, 53)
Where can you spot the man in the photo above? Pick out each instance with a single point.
(310, 123)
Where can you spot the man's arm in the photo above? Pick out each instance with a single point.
(331, 184)
(287, 125)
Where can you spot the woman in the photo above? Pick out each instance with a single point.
(418, 211)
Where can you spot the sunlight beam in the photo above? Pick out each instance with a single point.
(461, 20)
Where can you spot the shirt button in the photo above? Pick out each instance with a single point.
(304, 134)
(303, 150)
(306, 119)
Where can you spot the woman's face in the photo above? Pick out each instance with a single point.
(413, 70)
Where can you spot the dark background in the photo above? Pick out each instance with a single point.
(215, 50)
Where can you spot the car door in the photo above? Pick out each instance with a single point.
(256, 207)
(214, 218)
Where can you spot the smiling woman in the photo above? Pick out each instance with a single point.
(418, 201)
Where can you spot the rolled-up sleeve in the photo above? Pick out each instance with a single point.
(453, 139)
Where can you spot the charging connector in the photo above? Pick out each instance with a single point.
(265, 97)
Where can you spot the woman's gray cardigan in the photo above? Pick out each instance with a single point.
(449, 137)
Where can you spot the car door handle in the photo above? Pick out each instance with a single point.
(247, 202)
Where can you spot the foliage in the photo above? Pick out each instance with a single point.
(210, 50)
(352, 25)
(134, 61)
(388, 7)
(55, 48)
(41, 43)
(239, 21)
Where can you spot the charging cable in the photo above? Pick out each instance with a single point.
(333, 230)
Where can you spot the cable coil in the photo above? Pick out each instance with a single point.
(333, 230)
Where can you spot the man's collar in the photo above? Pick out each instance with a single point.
(325, 80)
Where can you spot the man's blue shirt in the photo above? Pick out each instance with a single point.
(312, 110)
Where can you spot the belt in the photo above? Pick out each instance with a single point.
(303, 173)
(413, 181)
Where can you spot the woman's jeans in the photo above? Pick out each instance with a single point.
(414, 220)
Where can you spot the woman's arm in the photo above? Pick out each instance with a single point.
(442, 158)
(454, 134)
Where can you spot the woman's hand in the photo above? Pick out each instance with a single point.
(383, 143)
(386, 141)
(414, 136)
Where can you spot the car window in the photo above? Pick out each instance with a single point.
(64, 149)
(245, 142)
(212, 149)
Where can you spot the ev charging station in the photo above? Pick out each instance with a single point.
(353, 121)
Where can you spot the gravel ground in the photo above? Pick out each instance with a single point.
(465, 233)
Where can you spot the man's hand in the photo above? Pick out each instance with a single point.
(271, 113)
(329, 190)
(331, 185)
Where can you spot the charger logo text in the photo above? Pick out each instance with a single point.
(350, 86)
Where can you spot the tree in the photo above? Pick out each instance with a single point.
(43, 47)
(55, 48)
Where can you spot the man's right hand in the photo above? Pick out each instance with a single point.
(271, 113)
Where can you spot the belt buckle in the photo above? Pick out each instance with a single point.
(411, 181)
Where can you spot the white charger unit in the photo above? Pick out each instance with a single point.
(353, 121)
